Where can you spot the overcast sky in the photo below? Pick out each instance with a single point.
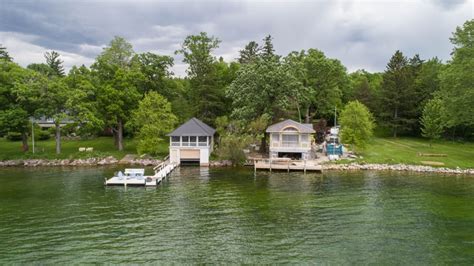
(362, 34)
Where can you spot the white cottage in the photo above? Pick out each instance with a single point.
(290, 139)
(191, 142)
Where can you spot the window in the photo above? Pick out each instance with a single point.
(174, 141)
(290, 140)
(290, 129)
(275, 137)
(185, 140)
(202, 141)
(192, 141)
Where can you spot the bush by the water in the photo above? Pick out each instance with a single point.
(231, 148)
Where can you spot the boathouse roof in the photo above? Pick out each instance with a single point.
(281, 126)
(193, 127)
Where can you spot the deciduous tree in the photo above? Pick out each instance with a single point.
(357, 124)
(433, 120)
(151, 121)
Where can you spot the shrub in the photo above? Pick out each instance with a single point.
(14, 136)
(42, 135)
(231, 148)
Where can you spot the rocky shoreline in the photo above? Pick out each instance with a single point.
(397, 167)
(110, 160)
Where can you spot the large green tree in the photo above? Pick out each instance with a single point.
(156, 72)
(207, 97)
(398, 96)
(19, 97)
(323, 80)
(365, 88)
(151, 121)
(250, 53)
(264, 87)
(457, 81)
(357, 125)
(117, 83)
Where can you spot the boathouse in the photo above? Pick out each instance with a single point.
(290, 139)
(191, 142)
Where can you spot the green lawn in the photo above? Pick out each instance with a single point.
(405, 150)
(103, 146)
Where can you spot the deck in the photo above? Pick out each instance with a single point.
(287, 165)
(161, 172)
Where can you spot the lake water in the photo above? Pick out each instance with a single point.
(61, 215)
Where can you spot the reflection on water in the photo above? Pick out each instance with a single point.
(59, 215)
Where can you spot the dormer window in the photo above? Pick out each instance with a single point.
(290, 129)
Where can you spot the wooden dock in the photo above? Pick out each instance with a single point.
(161, 172)
(283, 164)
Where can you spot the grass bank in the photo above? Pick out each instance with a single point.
(406, 150)
(103, 146)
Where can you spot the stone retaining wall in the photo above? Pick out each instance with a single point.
(397, 167)
(151, 162)
(76, 162)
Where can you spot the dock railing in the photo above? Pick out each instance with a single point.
(162, 164)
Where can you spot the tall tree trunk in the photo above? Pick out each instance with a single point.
(263, 145)
(24, 140)
(114, 134)
(395, 118)
(120, 135)
(307, 117)
(57, 137)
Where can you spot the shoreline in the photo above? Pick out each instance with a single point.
(110, 160)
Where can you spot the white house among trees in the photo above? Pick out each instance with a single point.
(192, 142)
(290, 139)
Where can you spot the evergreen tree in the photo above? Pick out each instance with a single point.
(4, 54)
(250, 53)
(268, 52)
(207, 97)
(398, 102)
(55, 63)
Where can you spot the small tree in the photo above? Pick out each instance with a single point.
(433, 120)
(231, 147)
(357, 124)
(151, 121)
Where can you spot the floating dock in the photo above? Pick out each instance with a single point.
(282, 164)
(136, 177)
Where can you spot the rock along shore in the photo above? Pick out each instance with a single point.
(151, 162)
(110, 160)
(397, 167)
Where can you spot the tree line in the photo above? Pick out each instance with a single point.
(136, 94)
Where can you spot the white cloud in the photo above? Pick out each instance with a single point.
(19, 47)
(360, 33)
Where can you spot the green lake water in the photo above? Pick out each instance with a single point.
(199, 215)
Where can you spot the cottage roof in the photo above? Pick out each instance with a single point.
(193, 127)
(279, 127)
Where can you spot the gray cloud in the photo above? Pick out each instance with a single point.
(362, 34)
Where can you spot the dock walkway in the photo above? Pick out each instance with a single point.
(287, 165)
(161, 172)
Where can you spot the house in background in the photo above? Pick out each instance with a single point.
(290, 139)
(191, 142)
(45, 123)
